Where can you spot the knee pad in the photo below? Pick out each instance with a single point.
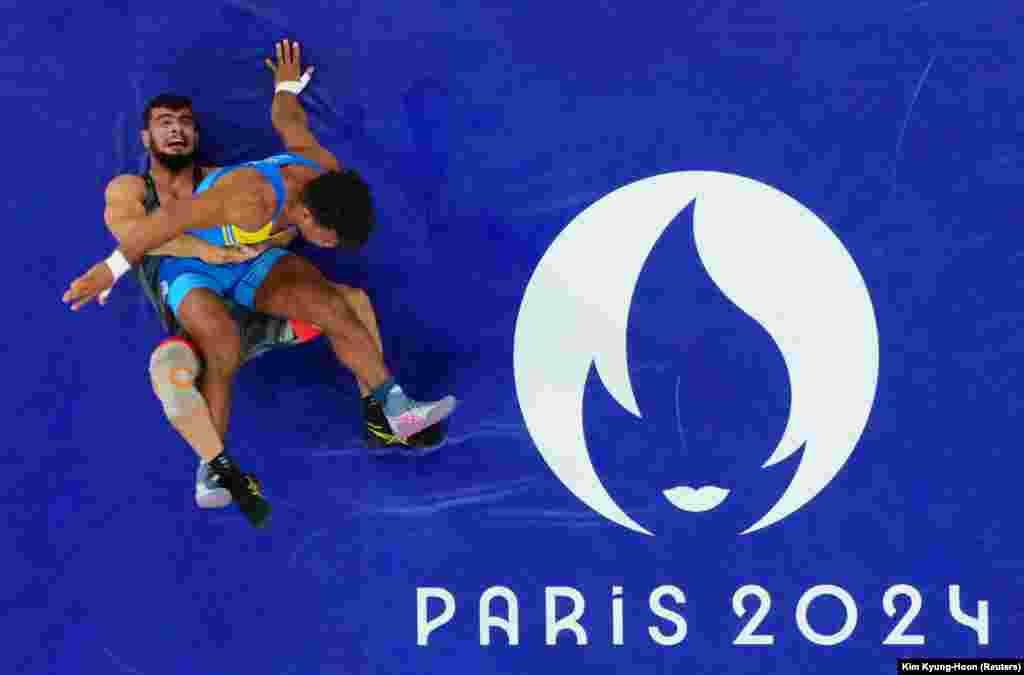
(173, 370)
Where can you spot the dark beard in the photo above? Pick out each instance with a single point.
(174, 163)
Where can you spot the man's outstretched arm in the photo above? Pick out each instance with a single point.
(286, 112)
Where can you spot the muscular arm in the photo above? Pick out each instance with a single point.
(124, 197)
(288, 116)
(292, 124)
(239, 198)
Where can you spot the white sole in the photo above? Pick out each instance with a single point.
(213, 499)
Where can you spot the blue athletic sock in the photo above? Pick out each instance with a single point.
(380, 394)
(392, 398)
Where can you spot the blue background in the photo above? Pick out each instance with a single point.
(484, 131)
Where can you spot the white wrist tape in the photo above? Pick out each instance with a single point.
(293, 86)
(118, 264)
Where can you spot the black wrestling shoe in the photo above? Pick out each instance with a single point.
(381, 440)
(244, 488)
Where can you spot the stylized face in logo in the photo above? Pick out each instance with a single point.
(777, 261)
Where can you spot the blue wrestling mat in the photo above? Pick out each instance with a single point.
(730, 293)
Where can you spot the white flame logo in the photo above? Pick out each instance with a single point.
(777, 261)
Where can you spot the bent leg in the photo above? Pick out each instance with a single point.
(195, 295)
(205, 316)
(295, 289)
(286, 285)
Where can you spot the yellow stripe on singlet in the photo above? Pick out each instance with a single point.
(235, 235)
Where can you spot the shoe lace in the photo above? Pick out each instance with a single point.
(252, 486)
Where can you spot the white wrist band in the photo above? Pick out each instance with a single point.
(293, 86)
(118, 264)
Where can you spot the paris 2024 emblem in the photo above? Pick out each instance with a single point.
(771, 256)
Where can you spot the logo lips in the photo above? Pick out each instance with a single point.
(772, 257)
(696, 500)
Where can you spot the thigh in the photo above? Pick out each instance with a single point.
(290, 287)
(205, 317)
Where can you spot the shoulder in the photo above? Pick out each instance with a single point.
(126, 186)
(242, 183)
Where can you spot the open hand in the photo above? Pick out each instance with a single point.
(86, 287)
(288, 65)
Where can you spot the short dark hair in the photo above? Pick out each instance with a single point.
(341, 201)
(169, 101)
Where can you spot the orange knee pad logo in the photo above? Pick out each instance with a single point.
(182, 377)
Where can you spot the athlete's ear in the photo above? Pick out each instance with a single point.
(146, 139)
(323, 237)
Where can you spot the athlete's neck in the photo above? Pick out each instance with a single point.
(183, 179)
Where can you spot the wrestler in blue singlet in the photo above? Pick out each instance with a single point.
(237, 281)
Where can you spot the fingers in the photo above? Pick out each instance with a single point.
(68, 294)
(288, 52)
(74, 291)
(289, 62)
(77, 296)
(82, 303)
(86, 287)
(239, 253)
